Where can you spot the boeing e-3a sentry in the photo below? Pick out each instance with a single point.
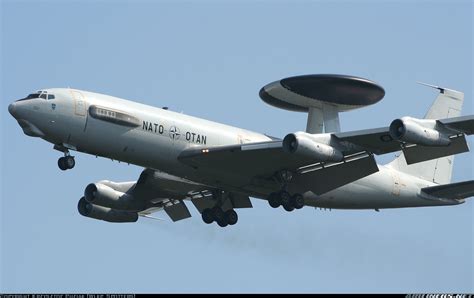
(219, 167)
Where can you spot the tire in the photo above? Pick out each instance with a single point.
(222, 222)
(274, 200)
(297, 201)
(288, 207)
(231, 217)
(70, 162)
(285, 198)
(217, 213)
(62, 164)
(207, 216)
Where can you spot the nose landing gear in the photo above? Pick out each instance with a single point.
(67, 162)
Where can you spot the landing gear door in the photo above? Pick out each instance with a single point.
(79, 103)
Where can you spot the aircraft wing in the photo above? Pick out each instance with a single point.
(252, 167)
(379, 141)
(251, 159)
(163, 192)
(464, 124)
(376, 140)
(167, 192)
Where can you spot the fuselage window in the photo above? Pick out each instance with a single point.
(113, 116)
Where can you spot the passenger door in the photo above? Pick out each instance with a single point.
(80, 107)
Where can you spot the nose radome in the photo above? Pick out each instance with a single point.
(12, 109)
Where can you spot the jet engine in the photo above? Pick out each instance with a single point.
(104, 213)
(417, 131)
(305, 144)
(103, 195)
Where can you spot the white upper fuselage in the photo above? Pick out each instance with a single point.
(153, 138)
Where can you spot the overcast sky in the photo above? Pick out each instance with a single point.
(210, 59)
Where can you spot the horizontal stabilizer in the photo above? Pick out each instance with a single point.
(456, 191)
(415, 154)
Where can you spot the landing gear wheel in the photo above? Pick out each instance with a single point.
(217, 214)
(222, 222)
(288, 207)
(285, 199)
(231, 217)
(207, 216)
(297, 201)
(69, 161)
(274, 200)
(62, 163)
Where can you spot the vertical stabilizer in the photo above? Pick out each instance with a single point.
(448, 104)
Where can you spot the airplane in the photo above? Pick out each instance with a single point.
(219, 168)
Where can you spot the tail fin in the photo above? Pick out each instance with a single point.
(448, 104)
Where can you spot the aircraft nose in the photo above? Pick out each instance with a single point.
(12, 109)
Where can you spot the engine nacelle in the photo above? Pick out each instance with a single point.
(104, 213)
(304, 144)
(103, 195)
(418, 131)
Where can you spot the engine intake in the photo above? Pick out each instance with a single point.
(417, 131)
(104, 213)
(303, 144)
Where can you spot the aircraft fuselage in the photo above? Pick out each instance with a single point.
(152, 137)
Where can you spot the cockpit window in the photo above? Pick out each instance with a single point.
(32, 95)
(39, 94)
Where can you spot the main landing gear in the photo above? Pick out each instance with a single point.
(67, 162)
(217, 213)
(283, 198)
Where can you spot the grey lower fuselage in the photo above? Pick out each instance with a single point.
(160, 135)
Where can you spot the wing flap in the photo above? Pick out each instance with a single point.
(457, 191)
(177, 210)
(253, 159)
(240, 201)
(464, 124)
(323, 179)
(415, 154)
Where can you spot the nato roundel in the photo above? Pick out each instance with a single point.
(301, 92)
